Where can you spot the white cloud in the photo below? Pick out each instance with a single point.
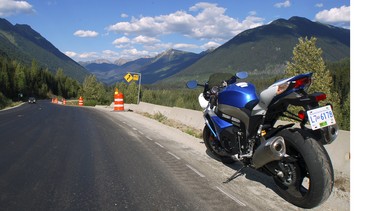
(283, 4)
(184, 46)
(123, 15)
(158, 47)
(110, 53)
(88, 55)
(125, 42)
(206, 21)
(133, 53)
(71, 54)
(12, 7)
(121, 40)
(87, 33)
(145, 40)
(147, 26)
(210, 45)
(319, 5)
(334, 15)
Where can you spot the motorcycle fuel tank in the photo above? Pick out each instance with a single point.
(238, 95)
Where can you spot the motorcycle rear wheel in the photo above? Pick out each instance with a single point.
(311, 178)
(209, 140)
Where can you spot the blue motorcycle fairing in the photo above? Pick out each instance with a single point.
(218, 124)
(238, 95)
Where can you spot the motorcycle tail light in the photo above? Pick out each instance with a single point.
(282, 87)
(320, 97)
(301, 114)
(302, 82)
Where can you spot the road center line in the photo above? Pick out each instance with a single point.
(174, 155)
(159, 145)
(232, 197)
(195, 170)
(121, 126)
(149, 138)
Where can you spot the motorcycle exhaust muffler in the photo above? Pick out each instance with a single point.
(270, 150)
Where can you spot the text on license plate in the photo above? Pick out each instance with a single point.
(321, 117)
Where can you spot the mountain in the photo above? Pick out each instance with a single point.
(97, 61)
(260, 51)
(265, 49)
(112, 73)
(153, 69)
(120, 61)
(20, 42)
(167, 64)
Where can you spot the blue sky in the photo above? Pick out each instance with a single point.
(111, 29)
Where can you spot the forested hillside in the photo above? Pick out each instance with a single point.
(18, 82)
(265, 50)
(21, 43)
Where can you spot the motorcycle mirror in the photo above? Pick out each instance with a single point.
(241, 75)
(192, 84)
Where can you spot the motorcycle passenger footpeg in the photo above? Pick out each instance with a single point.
(235, 175)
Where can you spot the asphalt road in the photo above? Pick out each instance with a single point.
(55, 157)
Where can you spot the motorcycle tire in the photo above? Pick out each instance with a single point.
(208, 139)
(312, 174)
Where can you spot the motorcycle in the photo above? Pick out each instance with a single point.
(241, 125)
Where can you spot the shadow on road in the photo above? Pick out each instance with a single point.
(249, 173)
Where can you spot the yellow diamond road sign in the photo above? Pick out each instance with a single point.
(128, 77)
(135, 77)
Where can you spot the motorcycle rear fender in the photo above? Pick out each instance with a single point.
(303, 101)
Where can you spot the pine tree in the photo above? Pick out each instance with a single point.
(20, 79)
(131, 93)
(308, 58)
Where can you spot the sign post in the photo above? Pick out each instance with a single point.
(136, 77)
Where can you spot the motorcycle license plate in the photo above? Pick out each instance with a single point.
(321, 117)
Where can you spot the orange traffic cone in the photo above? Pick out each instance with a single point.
(80, 101)
(119, 101)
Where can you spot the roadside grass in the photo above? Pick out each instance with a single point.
(175, 124)
(10, 104)
(342, 183)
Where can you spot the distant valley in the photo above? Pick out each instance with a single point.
(261, 50)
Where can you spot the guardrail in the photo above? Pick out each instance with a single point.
(339, 150)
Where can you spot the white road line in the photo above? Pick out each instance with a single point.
(232, 197)
(135, 128)
(140, 132)
(159, 145)
(195, 170)
(174, 155)
(149, 138)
